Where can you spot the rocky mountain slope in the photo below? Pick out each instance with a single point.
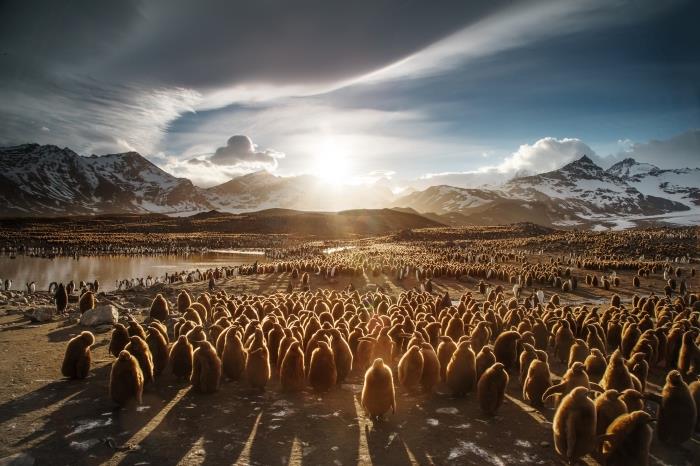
(47, 180)
(263, 190)
(580, 192)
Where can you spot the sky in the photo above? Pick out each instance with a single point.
(419, 92)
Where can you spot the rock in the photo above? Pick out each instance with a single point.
(104, 328)
(18, 459)
(103, 314)
(41, 314)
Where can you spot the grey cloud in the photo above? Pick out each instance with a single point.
(206, 163)
(682, 150)
(92, 71)
(240, 150)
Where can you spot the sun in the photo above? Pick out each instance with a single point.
(331, 162)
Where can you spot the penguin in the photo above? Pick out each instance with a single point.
(689, 355)
(233, 357)
(579, 352)
(431, 368)
(616, 374)
(411, 368)
(206, 368)
(120, 338)
(196, 335)
(322, 371)
(292, 369)
(491, 388)
(365, 349)
(445, 349)
(159, 350)
(135, 329)
(139, 349)
(86, 301)
(61, 298)
(627, 440)
(342, 355)
(181, 358)
(480, 336)
(563, 340)
(677, 411)
(694, 388)
(159, 308)
(506, 349)
(528, 355)
(484, 360)
(633, 399)
(257, 367)
(574, 425)
(378, 394)
(537, 380)
(184, 300)
(639, 368)
(608, 406)
(125, 379)
(76, 361)
(595, 364)
(461, 370)
(574, 377)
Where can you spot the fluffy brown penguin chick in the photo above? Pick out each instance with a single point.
(125, 379)
(491, 388)
(378, 395)
(574, 425)
(206, 368)
(76, 362)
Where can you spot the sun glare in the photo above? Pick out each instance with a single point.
(332, 162)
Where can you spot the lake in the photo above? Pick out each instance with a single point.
(108, 269)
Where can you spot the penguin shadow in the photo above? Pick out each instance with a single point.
(308, 428)
(384, 443)
(20, 323)
(277, 438)
(93, 429)
(89, 428)
(65, 332)
(48, 395)
(201, 428)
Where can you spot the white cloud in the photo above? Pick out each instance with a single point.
(521, 24)
(545, 154)
(240, 150)
(680, 151)
(91, 118)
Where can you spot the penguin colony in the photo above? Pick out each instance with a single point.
(424, 343)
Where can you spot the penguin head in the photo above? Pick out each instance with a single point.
(378, 363)
(88, 338)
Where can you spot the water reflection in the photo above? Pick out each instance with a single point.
(108, 269)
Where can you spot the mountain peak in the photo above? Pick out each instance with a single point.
(260, 174)
(629, 168)
(583, 167)
(584, 161)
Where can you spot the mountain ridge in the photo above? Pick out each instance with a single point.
(47, 180)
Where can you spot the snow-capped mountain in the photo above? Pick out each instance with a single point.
(585, 188)
(263, 190)
(48, 180)
(580, 193)
(443, 199)
(681, 185)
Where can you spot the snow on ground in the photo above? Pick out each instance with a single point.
(685, 218)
